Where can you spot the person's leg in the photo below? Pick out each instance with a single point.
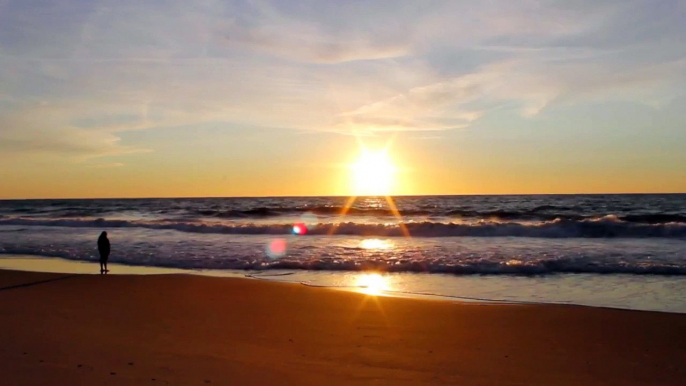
(101, 269)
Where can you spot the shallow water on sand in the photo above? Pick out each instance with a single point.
(651, 293)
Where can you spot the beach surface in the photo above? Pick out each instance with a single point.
(176, 329)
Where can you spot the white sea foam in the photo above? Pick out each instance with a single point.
(455, 255)
(605, 227)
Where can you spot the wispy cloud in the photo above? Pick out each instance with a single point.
(75, 75)
(105, 165)
(307, 44)
(40, 130)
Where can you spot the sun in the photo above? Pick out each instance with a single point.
(373, 173)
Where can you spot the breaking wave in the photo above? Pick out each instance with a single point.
(539, 213)
(414, 265)
(604, 227)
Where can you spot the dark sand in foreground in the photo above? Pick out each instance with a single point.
(196, 330)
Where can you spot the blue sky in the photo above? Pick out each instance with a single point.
(203, 98)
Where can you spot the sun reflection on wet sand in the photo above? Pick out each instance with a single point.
(372, 283)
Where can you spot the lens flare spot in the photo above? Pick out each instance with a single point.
(299, 229)
(310, 220)
(276, 248)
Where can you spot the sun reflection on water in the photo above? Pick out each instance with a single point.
(376, 244)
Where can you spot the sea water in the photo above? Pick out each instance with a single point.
(626, 251)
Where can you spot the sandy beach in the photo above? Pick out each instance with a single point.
(343, 192)
(192, 330)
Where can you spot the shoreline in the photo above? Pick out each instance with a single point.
(46, 264)
(58, 265)
(193, 329)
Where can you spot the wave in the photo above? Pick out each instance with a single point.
(256, 212)
(542, 208)
(654, 218)
(605, 227)
(546, 267)
(537, 213)
(532, 214)
(540, 214)
(321, 210)
(421, 265)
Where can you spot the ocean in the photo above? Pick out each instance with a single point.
(623, 250)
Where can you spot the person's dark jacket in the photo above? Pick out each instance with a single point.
(103, 245)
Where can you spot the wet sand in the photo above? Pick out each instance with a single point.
(65, 329)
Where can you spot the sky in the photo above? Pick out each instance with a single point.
(180, 98)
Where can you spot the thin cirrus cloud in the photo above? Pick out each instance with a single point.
(76, 75)
(306, 44)
(40, 130)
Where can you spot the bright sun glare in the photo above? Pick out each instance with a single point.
(376, 244)
(372, 283)
(373, 173)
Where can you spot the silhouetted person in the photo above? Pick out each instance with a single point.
(104, 249)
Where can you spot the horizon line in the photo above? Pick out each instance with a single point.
(342, 196)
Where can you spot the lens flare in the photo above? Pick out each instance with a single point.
(299, 229)
(276, 248)
(310, 220)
